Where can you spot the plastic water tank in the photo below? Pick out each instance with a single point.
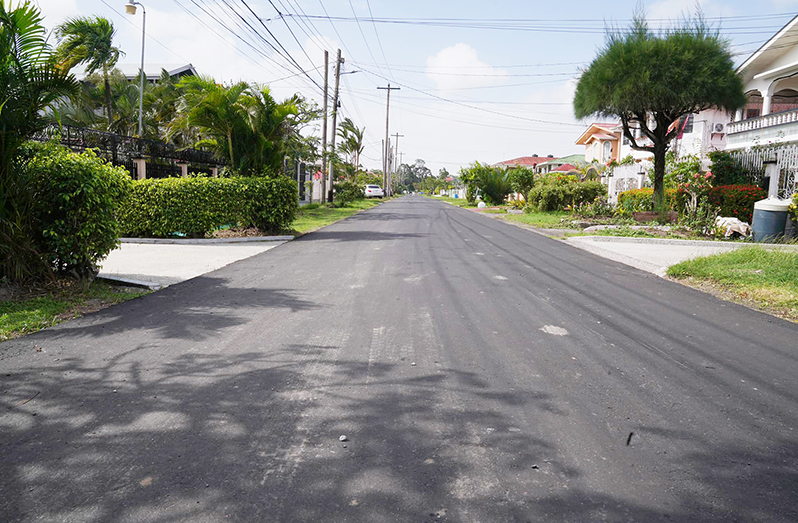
(770, 219)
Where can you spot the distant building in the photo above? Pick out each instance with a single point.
(525, 161)
(151, 71)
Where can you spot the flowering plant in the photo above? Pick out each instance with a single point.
(696, 186)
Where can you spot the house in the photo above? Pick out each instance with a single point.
(152, 72)
(524, 161)
(572, 161)
(605, 142)
(770, 79)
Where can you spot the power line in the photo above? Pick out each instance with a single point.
(377, 34)
(368, 47)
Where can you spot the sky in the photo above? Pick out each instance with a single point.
(478, 81)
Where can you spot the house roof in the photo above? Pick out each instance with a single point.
(152, 71)
(604, 137)
(573, 159)
(778, 45)
(596, 128)
(530, 161)
(565, 167)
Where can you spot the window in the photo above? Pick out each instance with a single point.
(607, 152)
(686, 124)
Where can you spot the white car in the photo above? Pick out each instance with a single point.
(374, 191)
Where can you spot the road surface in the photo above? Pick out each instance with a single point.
(480, 373)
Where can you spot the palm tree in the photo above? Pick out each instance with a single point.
(89, 41)
(242, 122)
(351, 142)
(30, 82)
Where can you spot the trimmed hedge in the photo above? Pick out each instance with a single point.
(198, 206)
(347, 192)
(736, 200)
(642, 200)
(76, 198)
(555, 193)
(793, 209)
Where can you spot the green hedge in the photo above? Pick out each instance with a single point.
(736, 200)
(198, 206)
(642, 200)
(793, 210)
(555, 193)
(347, 192)
(75, 205)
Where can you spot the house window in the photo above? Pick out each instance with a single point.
(607, 153)
(686, 124)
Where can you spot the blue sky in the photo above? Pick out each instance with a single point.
(485, 81)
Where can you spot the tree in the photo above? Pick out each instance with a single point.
(351, 142)
(650, 80)
(30, 82)
(87, 40)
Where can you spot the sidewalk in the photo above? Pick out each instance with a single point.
(655, 255)
(159, 263)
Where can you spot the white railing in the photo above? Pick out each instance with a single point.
(769, 120)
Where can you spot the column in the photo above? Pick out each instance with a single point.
(738, 115)
(215, 172)
(183, 169)
(766, 103)
(141, 168)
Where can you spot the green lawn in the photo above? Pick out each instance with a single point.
(28, 314)
(316, 217)
(546, 220)
(766, 278)
(460, 202)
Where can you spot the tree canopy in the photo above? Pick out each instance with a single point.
(650, 79)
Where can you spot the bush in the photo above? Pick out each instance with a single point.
(76, 202)
(556, 192)
(522, 179)
(727, 171)
(642, 200)
(793, 209)
(598, 208)
(347, 192)
(736, 201)
(198, 206)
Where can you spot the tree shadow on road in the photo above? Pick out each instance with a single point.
(204, 436)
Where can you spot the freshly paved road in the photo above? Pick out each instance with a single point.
(482, 373)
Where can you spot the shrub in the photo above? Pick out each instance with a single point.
(522, 179)
(598, 208)
(556, 192)
(76, 202)
(793, 209)
(727, 171)
(642, 200)
(198, 206)
(347, 192)
(736, 200)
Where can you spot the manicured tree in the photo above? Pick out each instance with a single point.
(89, 40)
(653, 78)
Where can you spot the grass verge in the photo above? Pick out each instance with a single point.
(546, 220)
(36, 310)
(459, 202)
(312, 217)
(764, 279)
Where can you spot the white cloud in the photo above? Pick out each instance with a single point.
(447, 67)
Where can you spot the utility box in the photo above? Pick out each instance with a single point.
(770, 219)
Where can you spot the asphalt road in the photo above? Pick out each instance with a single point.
(481, 373)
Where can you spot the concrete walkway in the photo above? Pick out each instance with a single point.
(160, 264)
(653, 254)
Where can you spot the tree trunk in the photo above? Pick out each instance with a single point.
(108, 110)
(659, 177)
(230, 148)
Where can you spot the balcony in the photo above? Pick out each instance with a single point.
(772, 128)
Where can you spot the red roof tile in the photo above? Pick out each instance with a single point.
(525, 160)
(565, 167)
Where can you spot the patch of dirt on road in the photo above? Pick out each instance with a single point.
(749, 299)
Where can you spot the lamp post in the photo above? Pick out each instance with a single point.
(130, 8)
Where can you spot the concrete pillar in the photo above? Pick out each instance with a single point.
(738, 115)
(766, 104)
(141, 168)
(183, 169)
(772, 170)
(215, 172)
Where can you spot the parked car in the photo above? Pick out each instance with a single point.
(374, 191)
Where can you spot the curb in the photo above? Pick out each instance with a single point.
(207, 241)
(113, 280)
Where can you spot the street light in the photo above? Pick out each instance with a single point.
(130, 8)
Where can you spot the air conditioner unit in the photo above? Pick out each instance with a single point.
(719, 128)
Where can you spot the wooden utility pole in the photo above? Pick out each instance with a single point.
(323, 138)
(385, 151)
(338, 63)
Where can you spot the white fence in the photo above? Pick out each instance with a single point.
(786, 159)
(626, 178)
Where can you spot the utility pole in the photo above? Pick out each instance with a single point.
(385, 151)
(323, 137)
(338, 63)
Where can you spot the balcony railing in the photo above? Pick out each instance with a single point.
(761, 122)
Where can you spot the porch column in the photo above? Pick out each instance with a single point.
(738, 115)
(141, 168)
(766, 104)
(183, 169)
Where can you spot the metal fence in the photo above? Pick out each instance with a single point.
(786, 159)
(162, 158)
